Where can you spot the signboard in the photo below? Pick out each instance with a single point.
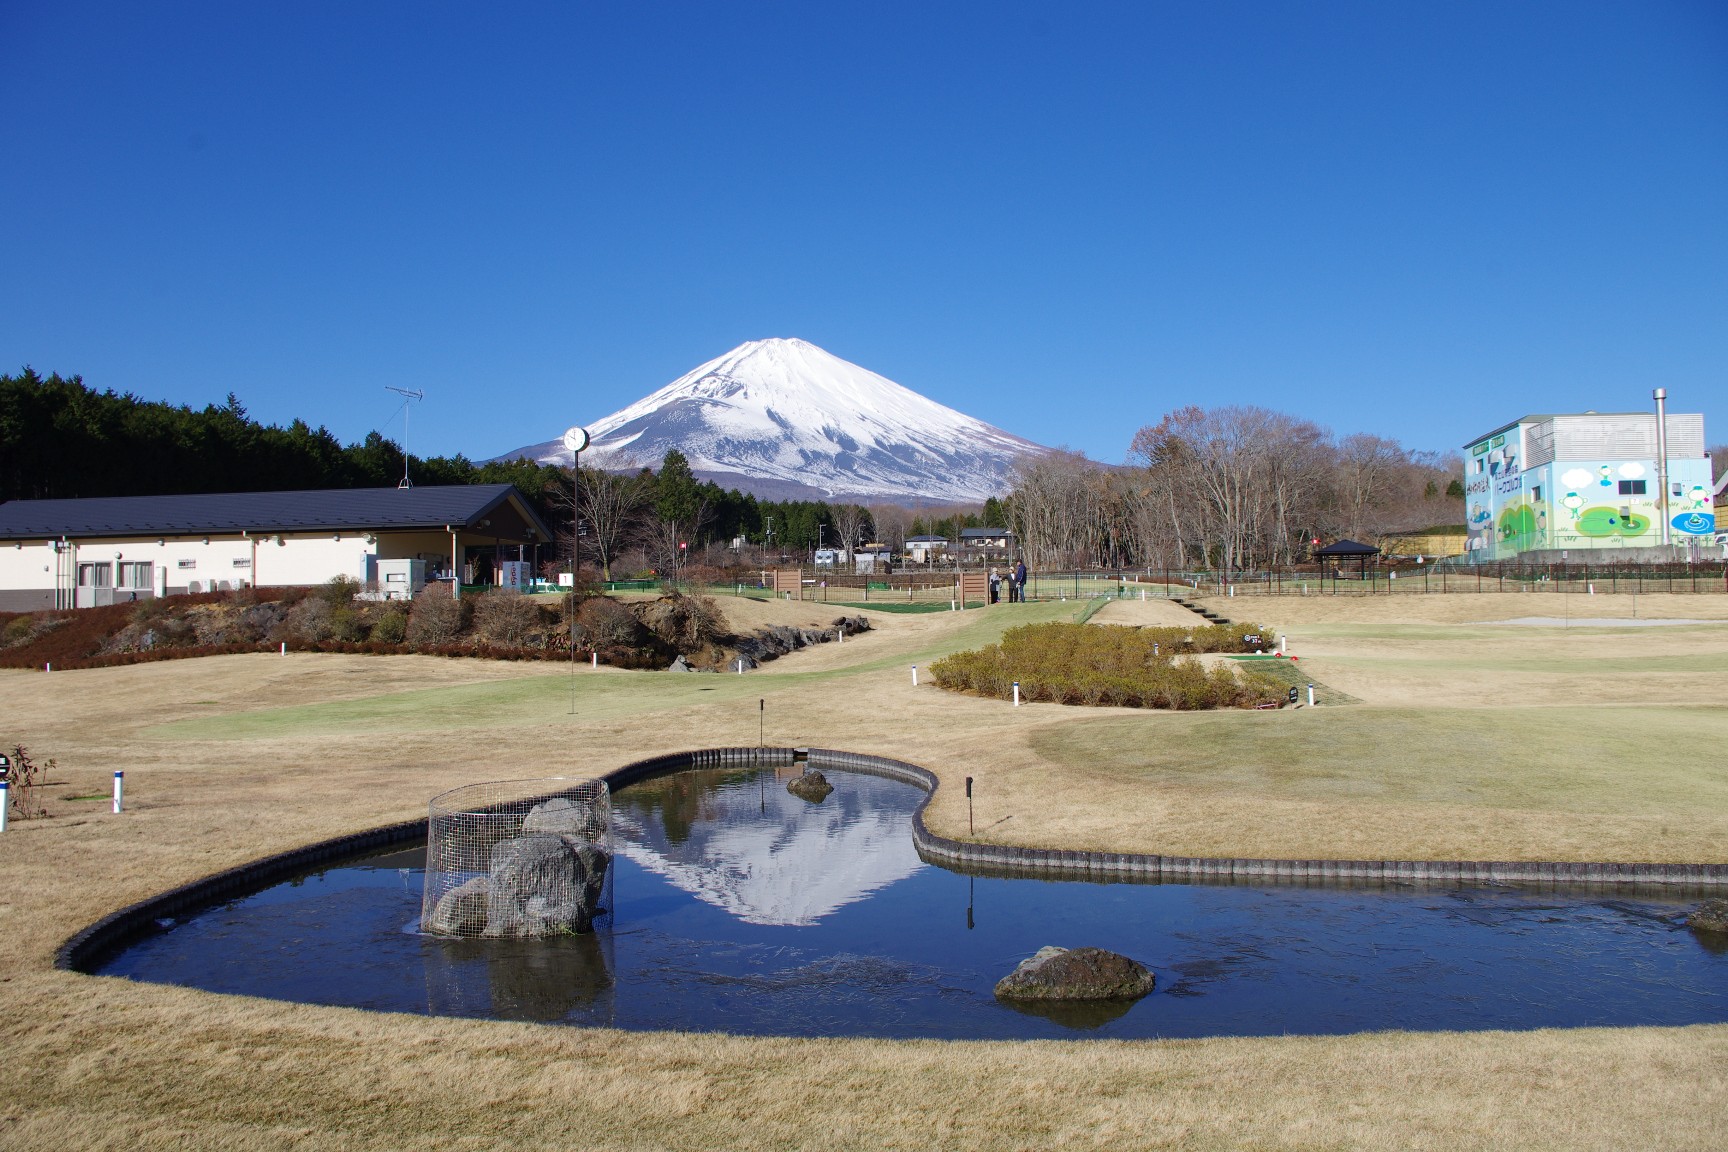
(1499, 441)
(1292, 695)
(1479, 449)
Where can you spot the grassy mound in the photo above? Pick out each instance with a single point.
(1128, 667)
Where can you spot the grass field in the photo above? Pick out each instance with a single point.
(1471, 740)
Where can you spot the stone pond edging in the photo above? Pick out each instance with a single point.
(83, 951)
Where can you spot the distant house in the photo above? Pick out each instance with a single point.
(986, 543)
(873, 560)
(106, 550)
(924, 549)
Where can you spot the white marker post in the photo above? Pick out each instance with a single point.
(840, 635)
(1283, 640)
(594, 659)
(1310, 695)
(5, 802)
(914, 675)
(284, 647)
(1016, 693)
(119, 791)
(740, 665)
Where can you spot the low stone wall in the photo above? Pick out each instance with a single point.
(1129, 866)
(92, 945)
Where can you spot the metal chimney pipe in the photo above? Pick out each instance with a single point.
(1661, 396)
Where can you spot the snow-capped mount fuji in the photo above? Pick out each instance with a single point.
(784, 419)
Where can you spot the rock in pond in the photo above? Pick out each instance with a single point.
(1076, 974)
(460, 911)
(1709, 916)
(810, 785)
(543, 885)
(566, 817)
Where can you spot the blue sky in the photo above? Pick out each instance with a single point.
(1414, 219)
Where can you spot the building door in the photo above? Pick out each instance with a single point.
(91, 577)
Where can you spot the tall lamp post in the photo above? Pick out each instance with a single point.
(1660, 395)
(575, 440)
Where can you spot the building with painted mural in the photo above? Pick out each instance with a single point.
(1586, 482)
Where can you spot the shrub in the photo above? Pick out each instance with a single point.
(19, 630)
(607, 624)
(339, 591)
(437, 617)
(390, 628)
(310, 620)
(507, 618)
(347, 625)
(1089, 664)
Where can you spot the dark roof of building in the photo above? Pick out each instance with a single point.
(436, 507)
(926, 539)
(976, 533)
(1347, 548)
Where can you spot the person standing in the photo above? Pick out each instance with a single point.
(1020, 582)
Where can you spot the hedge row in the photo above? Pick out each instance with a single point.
(1125, 667)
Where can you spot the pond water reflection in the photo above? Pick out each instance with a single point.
(742, 908)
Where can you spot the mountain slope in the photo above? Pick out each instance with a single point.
(786, 418)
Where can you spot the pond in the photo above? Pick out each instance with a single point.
(741, 908)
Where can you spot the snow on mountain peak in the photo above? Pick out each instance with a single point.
(786, 412)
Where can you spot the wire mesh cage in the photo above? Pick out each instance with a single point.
(518, 859)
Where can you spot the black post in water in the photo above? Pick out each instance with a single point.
(761, 721)
(969, 922)
(968, 805)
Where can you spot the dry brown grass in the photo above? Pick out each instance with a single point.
(113, 1064)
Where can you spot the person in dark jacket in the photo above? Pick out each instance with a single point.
(1020, 582)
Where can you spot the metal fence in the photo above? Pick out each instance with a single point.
(940, 586)
(1499, 576)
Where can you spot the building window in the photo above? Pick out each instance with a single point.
(188, 564)
(134, 575)
(1631, 487)
(1536, 493)
(95, 575)
(1481, 465)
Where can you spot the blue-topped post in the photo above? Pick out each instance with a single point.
(119, 790)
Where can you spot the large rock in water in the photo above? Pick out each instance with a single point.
(810, 785)
(1709, 916)
(1076, 974)
(565, 817)
(460, 911)
(543, 885)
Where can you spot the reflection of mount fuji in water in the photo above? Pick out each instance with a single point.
(741, 842)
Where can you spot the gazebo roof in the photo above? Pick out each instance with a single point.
(1347, 548)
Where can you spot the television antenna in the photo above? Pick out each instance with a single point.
(408, 395)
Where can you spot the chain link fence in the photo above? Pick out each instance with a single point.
(518, 859)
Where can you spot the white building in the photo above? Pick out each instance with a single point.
(1588, 482)
(81, 553)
